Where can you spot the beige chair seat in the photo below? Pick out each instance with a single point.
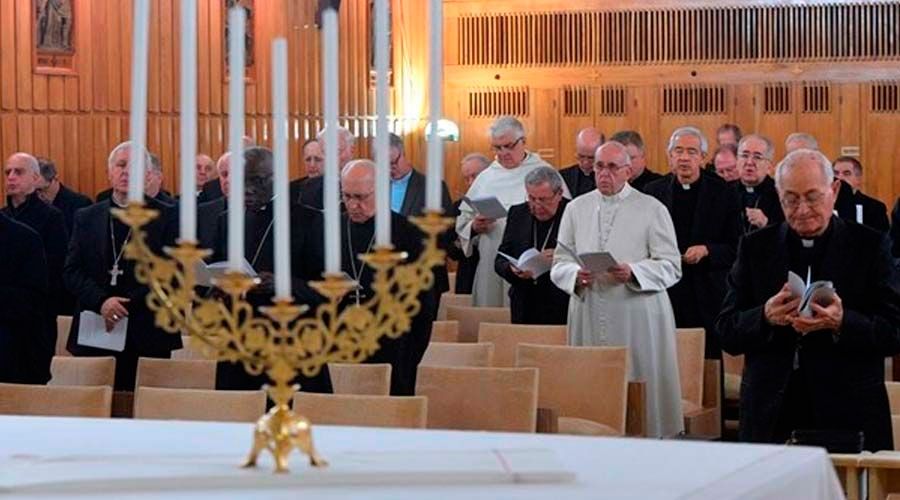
(445, 331)
(71, 370)
(55, 401)
(366, 379)
(584, 427)
(362, 410)
(198, 404)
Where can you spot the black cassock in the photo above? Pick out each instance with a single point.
(647, 176)
(68, 202)
(762, 196)
(88, 275)
(23, 296)
(531, 301)
(576, 180)
(211, 190)
(403, 353)
(822, 380)
(259, 248)
(874, 212)
(50, 224)
(706, 214)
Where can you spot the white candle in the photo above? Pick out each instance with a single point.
(236, 19)
(139, 49)
(279, 143)
(382, 143)
(435, 79)
(332, 175)
(188, 213)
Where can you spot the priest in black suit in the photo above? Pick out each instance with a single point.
(755, 189)
(313, 161)
(55, 193)
(103, 281)
(866, 210)
(580, 176)
(23, 298)
(534, 224)
(471, 165)
(634, 146)
(358, 237)
(23, 205)
(705, 214)
(824, 371)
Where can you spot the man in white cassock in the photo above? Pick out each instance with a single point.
(627, 305)
(505, 179)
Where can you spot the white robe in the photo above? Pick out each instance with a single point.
(508, 185)
(637, 230)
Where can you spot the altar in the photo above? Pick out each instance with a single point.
(99, 450)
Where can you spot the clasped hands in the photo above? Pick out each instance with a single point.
(782, 310)
(619, 274)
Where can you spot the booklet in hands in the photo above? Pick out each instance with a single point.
(206, 273)
(486, 206)
(531, 260)
(595, 262)
(818, 292)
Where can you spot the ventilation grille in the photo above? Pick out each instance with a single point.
(576, 101)
(816, 97)
(612, 101)
(777, 98)
(694, 99)
(885, 97)
(863, 30)
(499, 101)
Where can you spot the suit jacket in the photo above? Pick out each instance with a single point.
(874, 212)
(534, 302)
(210, 191)
(697, 298)
(295, 188)
(23, 295)
(844, 373)
(68, 202)
(577, 182)
(163, 196)
(86, 275)
(208, 222)
(647, 176)
(465, 270)
(768, 202)
(413, 206)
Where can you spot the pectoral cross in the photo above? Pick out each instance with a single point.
(114, 274)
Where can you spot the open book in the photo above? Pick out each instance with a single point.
(530, 260)
(486, 206)
(595, 262)
(206, 273)
(819, 292)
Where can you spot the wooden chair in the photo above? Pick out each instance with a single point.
(198, 404)
(189, 351)
(699, 384)
(59, 401)
(445, 331)
(451, 278)
(883, 473)
(176, 373)
(361, 379)
(63, 326)
(595, 408)
(456, 354)
(362, 410)
(71, 370)
(849, 472)
(452, 299)
(893, 391)
(470, 317)
(490, 399)
(507, 337)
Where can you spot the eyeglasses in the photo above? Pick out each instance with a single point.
(757, 157)
(356, 197)
(610, 168)
(811, 200)
(314, 159)
(678, 151)
(544, 200)
(506, 147)
(585, 158)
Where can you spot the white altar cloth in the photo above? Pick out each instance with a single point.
(603, 467)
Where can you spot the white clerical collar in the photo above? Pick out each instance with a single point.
(686, 187)
(621, 195)
(807, 243)
(749, 189)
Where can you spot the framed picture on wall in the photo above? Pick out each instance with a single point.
(53, 25)
(249, 36)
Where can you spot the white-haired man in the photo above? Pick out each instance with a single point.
(504, 179)
(755, 189)
(706, 215)
(625, 305)
(824, 371)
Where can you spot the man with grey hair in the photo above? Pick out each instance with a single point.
(634, 146)
(470, 167)
(625, 304)
(504, 180)
(821, 370)
(706, 214)
(580, 176)
(153, 182)
(23, 175)
(534, 225)
(55, 193)
(346, 145)
(755, 189)
(800, 140)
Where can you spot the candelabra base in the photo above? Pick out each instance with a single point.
(280, 431)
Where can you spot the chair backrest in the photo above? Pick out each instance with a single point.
(507, 337)
(445, 331)
(362, 410)
(176, 373)
(564, 372)
(63, 325)
(893, 391)
(352, 378)
(490, 399)
(452, 299)
(451, 279)
(60, 401)
(470, 317)
(198, 404)
(189, 351)
(733, 364)
(71, 370)
(690, 348)
(456, 354)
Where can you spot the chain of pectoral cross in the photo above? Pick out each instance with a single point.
(115, 272)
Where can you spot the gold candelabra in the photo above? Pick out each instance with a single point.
(283, 342)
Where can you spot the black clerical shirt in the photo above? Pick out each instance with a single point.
(684, 205)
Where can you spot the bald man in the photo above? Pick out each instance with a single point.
(580, 176)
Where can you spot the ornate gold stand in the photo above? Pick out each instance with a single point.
(284, 342)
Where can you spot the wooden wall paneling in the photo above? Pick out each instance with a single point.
(216, 59)
(154, 71)
(24, 89)
(7, 54)
(204, 48)
(102, 148)
(25, 132)
(56, 92)
(849, 105)
(817, 114)
(67, 163)
(118, 43)
(85, 36)
(57, 139)
(168, 153)
(80, 168)
(743, 110)
(880, 148)
(543, 132)
(39, 92)
(169, 84)
(99, 54)
(779, 121)
(70, 93)
(8, 141)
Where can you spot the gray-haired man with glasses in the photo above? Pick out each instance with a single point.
(755, 189)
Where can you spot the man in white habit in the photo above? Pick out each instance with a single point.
(627, 305)
(505, 179)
